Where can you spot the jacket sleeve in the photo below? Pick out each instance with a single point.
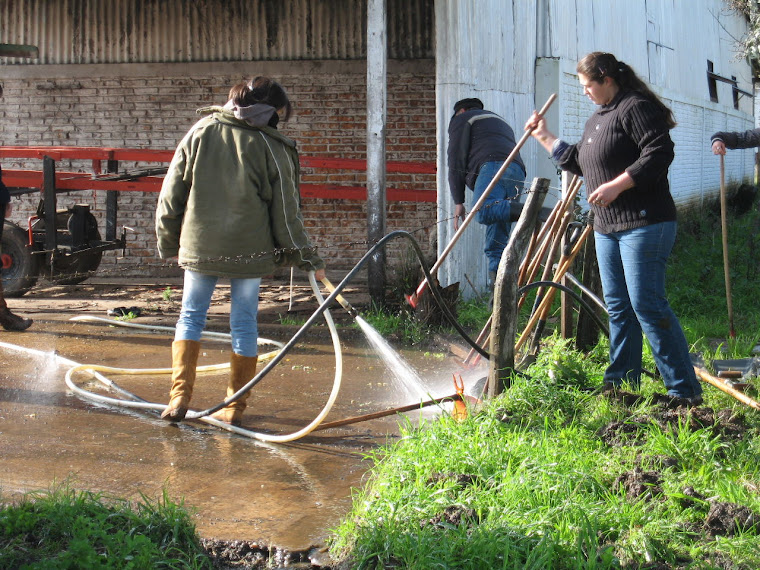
(644, 124)
(172, 202)
(289, 234)
(457, 153)
(747, 139)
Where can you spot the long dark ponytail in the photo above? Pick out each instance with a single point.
(598, 65)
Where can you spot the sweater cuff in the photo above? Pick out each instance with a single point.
(558, 149)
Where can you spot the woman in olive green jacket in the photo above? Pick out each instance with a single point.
(230, 207)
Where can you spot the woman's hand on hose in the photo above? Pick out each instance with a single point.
(319, 274)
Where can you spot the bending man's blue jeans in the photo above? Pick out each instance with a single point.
(632, 267)
(196, 298)
(496, 210)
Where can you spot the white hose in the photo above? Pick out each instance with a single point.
(137, 402)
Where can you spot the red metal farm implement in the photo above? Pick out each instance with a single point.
(66, 245)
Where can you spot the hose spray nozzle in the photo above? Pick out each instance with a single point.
(345, 304)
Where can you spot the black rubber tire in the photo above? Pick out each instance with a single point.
(21, 276)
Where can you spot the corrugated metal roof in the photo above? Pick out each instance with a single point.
(147, 31)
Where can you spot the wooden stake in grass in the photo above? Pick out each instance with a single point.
(503, 327)
(726, 267)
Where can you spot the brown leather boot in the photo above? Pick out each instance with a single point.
(242, 371)
(184, 360)
(8, 320)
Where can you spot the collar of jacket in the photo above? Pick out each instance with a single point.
(226, 117)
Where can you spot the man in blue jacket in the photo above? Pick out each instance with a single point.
(479, 143)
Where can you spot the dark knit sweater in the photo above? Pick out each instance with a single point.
(475, 138)
(747, 139)
(627, 135)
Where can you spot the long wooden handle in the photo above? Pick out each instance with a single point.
(512, 155)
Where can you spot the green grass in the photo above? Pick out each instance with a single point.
(528, 482)
(290, 320)
(64, 528)
(534, 480)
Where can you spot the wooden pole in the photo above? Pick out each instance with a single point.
(384, 413)
(503, 327)
(726, 267)
(721, 385)
(377, 86)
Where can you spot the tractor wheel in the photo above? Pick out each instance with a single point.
(21, 274)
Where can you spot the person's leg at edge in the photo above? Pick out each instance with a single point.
(626, 341)
(645, 253)
(196, 298)
(8, 320)
(244, 355)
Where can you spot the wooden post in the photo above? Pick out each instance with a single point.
(587, 334)
(504, 320)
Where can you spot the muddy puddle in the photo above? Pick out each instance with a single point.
(286, 495)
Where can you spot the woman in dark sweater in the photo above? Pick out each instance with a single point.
(624, 157)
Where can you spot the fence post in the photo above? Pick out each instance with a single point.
(504, 323)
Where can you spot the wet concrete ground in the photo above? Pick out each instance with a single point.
(284, 495)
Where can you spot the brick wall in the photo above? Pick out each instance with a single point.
(152, 106)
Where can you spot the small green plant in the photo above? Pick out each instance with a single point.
(167, 294)
(290, 320)
(127, 316)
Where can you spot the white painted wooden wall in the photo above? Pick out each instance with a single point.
(513, 54)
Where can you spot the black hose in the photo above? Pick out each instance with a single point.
(574, 295)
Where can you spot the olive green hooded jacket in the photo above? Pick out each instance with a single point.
(230, 203)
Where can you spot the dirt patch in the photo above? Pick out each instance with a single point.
(727, 519)
(671, 415)
(692, 498)
(454, 515)
(459, 479)
(229, 554)
(639, 484)
(622, 432)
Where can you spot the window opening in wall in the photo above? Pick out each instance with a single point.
(735, 92)
(712, 84)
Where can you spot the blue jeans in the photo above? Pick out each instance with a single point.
(632, 267)
(196, 298)
(496, 210)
